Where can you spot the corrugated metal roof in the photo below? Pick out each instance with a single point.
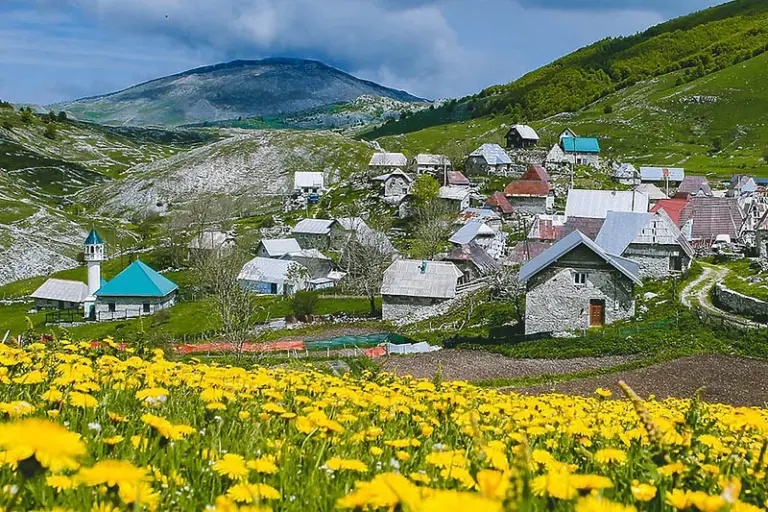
(306, 253)
(536, 172)
(313, 227)
(93, 238)
(427, 159)
(267, 270)
(693, 185)
(280, 246)
(526, 250)
(500, 201)
(580, 145)
(304, 179)
(672, 207)
(457, 178)
(476, 255)
(629, 268)
(713, 216)
(470, 231)
(619, 229)
(653, 192)
(480, 214)
(597, 203)
(62, 289)
(454, 193)
(405, 278)
(526, 132)
(388, 159)
(662, 174)
(138, 280)
(493, 154)
(533, 188)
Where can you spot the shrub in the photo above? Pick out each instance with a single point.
(765, 155)
(608, 109)
(62, 116)
(304, 303)
(7, 125)
(50, 132)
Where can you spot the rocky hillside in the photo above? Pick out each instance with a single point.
(239, 89)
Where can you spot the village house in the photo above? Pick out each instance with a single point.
(742, 185)
(456, 179)
(651, 240)
(490, 240)
(597, 203)
(308, 183)
(313, 233)
(431, 164)
(384, 163)
(626, 174)
(60, 294)
(269, 276)
(472, 261)
(551, 228)
(704, 218)
(581, 150)
(654, 193)
(413, 287)
(530, 197)
(575, 284)
(211, 241)
(536, 173)
(396, 184)
(349, 230)
(525, 250)
(277, 247)
(488, 159)
(672, 207)
(499, 203)
(318, 264)
(486, 215)
(521, 136)
(565, 134)
(136, 291)
(459, 197)
(665, 177)
(693, 186)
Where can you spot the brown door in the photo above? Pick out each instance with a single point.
(596, 313)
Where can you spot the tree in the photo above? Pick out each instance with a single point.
(50, 132)
(717, 144)
(433, 227)
(425, 188)
(26, 115)
(7, 125)
(765, 155)
(304, 303)
(52, 116)
(505, 285)
(608, 109)
(62, 117)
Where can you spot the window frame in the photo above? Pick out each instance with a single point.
(579, 278)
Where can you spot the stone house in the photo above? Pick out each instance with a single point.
(136, 291)
(489, 159)
(277, 247)
(60, 294)
(693, 186)
(484, 236)
(395, 184)
(347, 230)
(575, 284)
(566, 133)
(597, 203)
(521, 136)
(211, 241)
(651, 240)
(269, 276)
(413, 287)
(384, 163)
(424, 163)
(459, 197)
(472, 261)
(581, 150)
(313, 233)
(530, 197)
(626, 174)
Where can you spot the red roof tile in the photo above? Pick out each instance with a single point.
(672, 207)
(527, 188)
(536, 173)
(500, 201)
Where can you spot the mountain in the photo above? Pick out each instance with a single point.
(242, 88)
(697, 44)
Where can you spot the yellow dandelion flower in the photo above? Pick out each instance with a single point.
(643, 492)
(249, 493)
(52, 445)
(82, 400)
(265, 465)
(232, 466)
(60, 482)
(337, 464)
(111, 473)
(610, 456)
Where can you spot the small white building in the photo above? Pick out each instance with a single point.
(277, 247)
(425, 163)
(216, 241)
(412, 287)
(60, 294)
(270, 276)
(382, 163)
(459, 197)
(305, 183)
(489, 159)
(136, 291)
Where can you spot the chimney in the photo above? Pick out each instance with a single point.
(424, 267)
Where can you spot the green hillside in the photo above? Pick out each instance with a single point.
(699, 44)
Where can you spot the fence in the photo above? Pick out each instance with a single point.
(61, 316)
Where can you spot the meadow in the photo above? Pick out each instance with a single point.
(86, 427)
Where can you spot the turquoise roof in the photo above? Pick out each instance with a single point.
(580, 145)
(93, 238)
(138, 280)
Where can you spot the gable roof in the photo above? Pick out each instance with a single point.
(428, 159)
(388, 159)
(268, 270)
(580, 145)
(536, 172)
(470, 231)
(653, 192)
(479, 214)
(557, 227)
(93, 238)
(625, 171)
(629, 268)
(457, 178)
(493, 154)
(692, 185)
(597, 203)
(138, 280)
(624, 228)
(211, 240)
(672, 207)
(713, 216)
(304, 179)
(365, 235)
(500, 201)
(525, 131)
(662, 174)
(526, 250)
(280, 246)
(476, 255)
(405, 278)
(313, 227)
(454, 193)
(533, 188)
(62, 289)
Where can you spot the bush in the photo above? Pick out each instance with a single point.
(26, 115)
(7, 125)
(62, 116)
(304, 303)
(765, 155)
(608, 109)
(50, 132)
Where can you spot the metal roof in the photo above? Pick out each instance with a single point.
(138, 280)
(662, 174)
(500, 201)
(313, 227)
(653, 192)
(493, 154)
(476, 255)
(629, 268)
(480, 214)
(279, 246)
(416, 278)
(457, 178)
(93, 238)
(526, 250)
(671, 207)
(580, 145)
(536, 172)
(625, 171)
(211, 240)
(303, 179)
(619, 229)
(267, 270)
(454, 193)
(388, 159)
(427, 159)
(597, 203)
(306, 253)
(532, 188)
(526, 132)
(694, 185)
(470, 231)
(366, 235)
(713, 216)
(62, 289)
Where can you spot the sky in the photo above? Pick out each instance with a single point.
(56, 50)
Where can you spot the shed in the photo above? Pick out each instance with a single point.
(308, 182)
(414, 287)
(60, 294)
(277, 247)
(521, 136)
(597, 203)
(458, 196)
(499, 202)
(136, 291)
(273, 276)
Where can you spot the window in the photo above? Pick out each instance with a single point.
(111, 306)
(676, 263)
(579, 278)
(145, 307)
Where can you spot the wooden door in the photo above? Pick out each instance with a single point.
(596, 313)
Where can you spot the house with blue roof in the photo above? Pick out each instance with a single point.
(576, 150)
(136, 291)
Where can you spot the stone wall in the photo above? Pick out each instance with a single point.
(654, 259)
(735, 302)
(397, 307)
(555, 304)
(131, 307)
(529, 205)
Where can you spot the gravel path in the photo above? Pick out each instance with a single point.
(727, 379)
(688, 291)
(477, 365)
(710, 276)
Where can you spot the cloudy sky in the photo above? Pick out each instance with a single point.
(53, 50)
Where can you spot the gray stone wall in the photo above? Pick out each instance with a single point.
(555, 304)
(396, 307)
(654, 260)
(529, 205)
(737, 303)
(306, 241)
(131, 307)
(396, 186)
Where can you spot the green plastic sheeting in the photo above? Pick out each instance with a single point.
(363, 341)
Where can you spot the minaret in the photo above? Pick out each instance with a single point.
(94, 254)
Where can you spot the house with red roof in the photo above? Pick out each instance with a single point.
(530, 196)
(672, 207)
(499, 203)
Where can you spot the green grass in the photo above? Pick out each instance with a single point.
(739, 276)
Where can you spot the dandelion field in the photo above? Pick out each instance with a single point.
(96, 429)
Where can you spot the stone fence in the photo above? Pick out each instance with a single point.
(740, 304)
